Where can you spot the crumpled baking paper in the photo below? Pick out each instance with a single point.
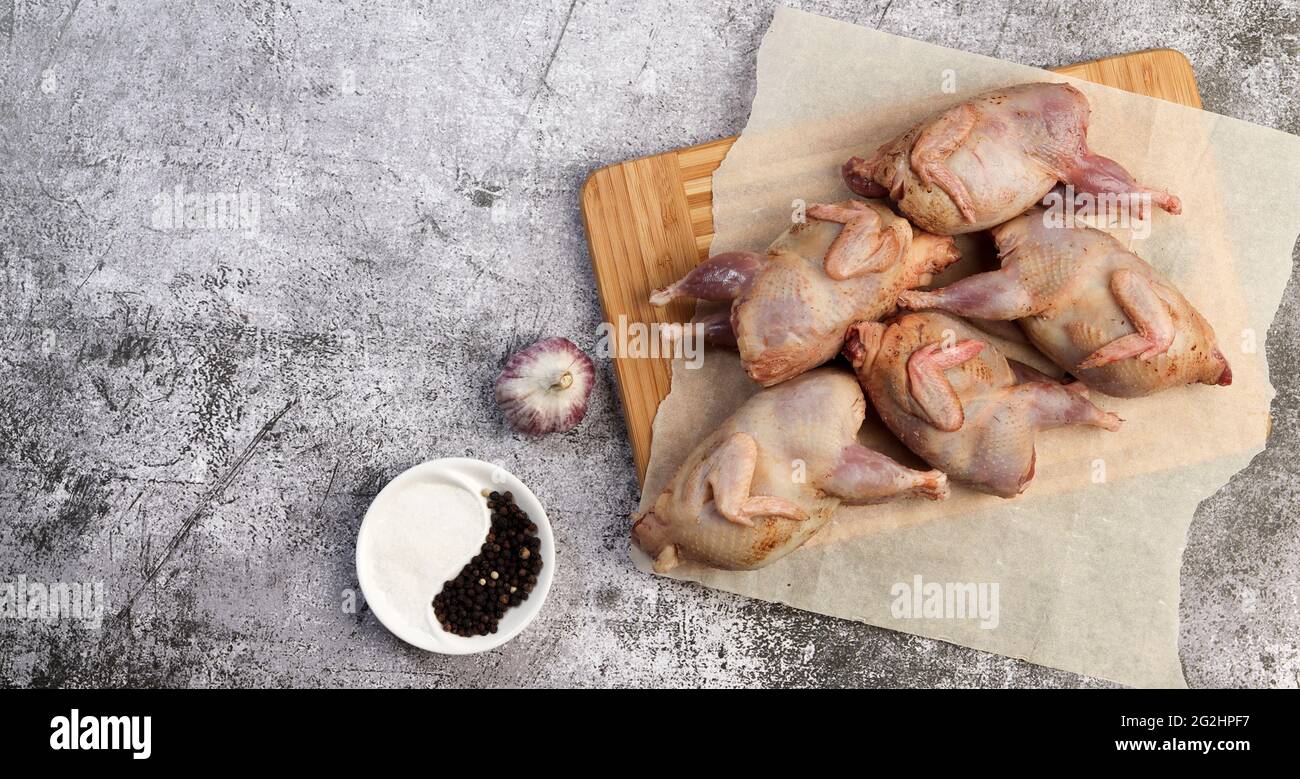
(1083, 568)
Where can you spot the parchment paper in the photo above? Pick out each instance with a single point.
(1087, 568)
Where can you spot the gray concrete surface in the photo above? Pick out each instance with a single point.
(198, 417)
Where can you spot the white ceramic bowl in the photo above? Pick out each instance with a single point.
(425, 633)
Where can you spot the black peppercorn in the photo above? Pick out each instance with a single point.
(463, 607)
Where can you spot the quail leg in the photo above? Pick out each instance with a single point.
(1098, 175)
(721, 277)
(1056, 405)
(995, 295)
(865, 476)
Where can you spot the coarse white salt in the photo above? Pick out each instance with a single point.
(423, 533)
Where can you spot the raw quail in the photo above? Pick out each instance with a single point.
(953, 398)
(1094, 308)
(772, 475)
(792, 306)
(990, 158)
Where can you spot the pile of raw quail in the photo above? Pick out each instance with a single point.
(856, 277)
(500, 576)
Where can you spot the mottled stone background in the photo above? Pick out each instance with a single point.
(199, 417)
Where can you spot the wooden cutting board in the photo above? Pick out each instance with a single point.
(649, 221)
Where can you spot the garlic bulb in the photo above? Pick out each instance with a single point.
(544, 388)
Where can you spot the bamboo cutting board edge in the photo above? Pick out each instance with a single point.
(650, 220)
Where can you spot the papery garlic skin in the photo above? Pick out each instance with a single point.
(544, 388)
